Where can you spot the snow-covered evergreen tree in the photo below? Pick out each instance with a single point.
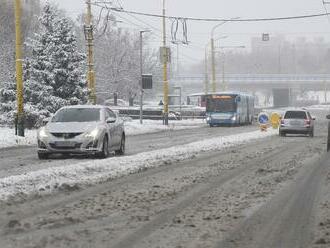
(54, 75)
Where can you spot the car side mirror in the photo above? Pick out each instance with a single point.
(328, 116)
(111, 120)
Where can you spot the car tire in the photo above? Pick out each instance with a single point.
(43, 156)
(121, 150)
(105, 148)
(211, 125)
(282, 134)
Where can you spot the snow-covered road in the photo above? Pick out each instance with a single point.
(240, 196)
(23, 159)
(98, 171)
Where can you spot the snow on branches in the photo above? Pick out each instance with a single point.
(54, 74)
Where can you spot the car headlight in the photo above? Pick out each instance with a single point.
(208, 118)
(92, 134)
(233, 118)
(43, 133)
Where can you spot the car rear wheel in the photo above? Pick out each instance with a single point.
(43, 156)
(121, 150)
(105, 148)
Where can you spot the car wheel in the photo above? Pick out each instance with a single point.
(121, 150)
(282, 134)
(43, 156)
(211, 125)
(105, 148)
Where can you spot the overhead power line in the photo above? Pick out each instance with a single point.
(103, 4)
(325, 8)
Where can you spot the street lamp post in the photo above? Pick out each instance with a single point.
(165, 61)
(213, 55)
(141, 73)
(206, 79)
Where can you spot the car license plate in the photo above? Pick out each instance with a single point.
(64, 144)
(295, 123)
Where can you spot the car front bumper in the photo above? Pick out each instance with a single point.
(215, 121)
(81, 145)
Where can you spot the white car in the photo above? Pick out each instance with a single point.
(82, 129)
(297, 121)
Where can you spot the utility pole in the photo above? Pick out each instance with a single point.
(165, 61)
(325, 91)
(214, 84)
(279, 59)
(177, 60)
(141, 73)
(19, 70)
(206, 79)
(223, 71)
(213, 53)
(90, 53)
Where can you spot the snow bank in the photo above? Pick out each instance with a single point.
(8, 137)
(92, 172)
(151, 126)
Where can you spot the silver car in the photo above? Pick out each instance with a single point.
(297, 122)
(82, 129)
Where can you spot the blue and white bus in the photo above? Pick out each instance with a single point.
(229, 108)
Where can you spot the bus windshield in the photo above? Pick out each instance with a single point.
(221, 104)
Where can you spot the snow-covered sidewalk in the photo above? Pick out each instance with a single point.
(9, 139)
(92, 172)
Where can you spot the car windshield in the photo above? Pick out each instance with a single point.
(295, 115)
(77, 115)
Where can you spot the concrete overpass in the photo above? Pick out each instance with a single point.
(252, 82)
(267, 84)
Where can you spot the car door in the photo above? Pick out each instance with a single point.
(111, 129)
(117, 128)
(115, 136)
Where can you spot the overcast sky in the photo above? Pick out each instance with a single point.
(237, 33)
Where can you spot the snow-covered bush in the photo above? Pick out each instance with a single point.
(54, 75)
